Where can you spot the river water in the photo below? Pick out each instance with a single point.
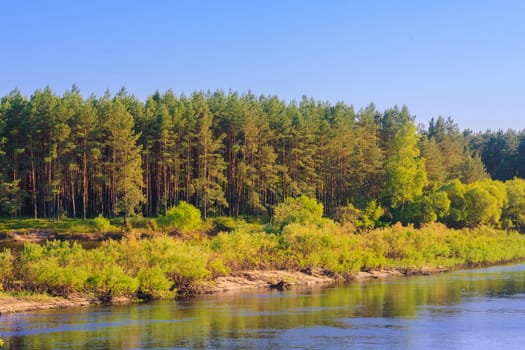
(471, 309)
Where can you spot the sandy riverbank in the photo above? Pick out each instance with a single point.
(10, 304)
(245, 280)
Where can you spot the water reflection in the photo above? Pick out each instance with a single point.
(467, 309)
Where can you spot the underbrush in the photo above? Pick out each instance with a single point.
(162, 266)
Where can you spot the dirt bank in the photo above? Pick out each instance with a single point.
(253, 279)
(278, 279)
(27, 304)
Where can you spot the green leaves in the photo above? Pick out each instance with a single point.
(301, 210)
(183, 218)
(405, 171)
(240, 155)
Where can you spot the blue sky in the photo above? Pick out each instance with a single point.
(464, 59)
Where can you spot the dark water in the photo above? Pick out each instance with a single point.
(477, 309)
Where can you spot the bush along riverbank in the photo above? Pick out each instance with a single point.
(164, 266)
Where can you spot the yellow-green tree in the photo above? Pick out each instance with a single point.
(405, 169)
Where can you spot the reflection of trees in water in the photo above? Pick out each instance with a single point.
(219, 320)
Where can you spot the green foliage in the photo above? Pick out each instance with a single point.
(236, 155)
(126, 163)
(427, 209)
(242, 250)
(405, 171)
(485, 201)
(10, 197)
(102, 224)
(182, 218)
(6, 269)
(188, 267)
(111, 281)
(225, 224)
(471, 170)
(434, 162)
(514, 213)
(154, 283)
(56, 268)
(457, 214)
(161, 266)
(362, 219)
(301, 210)
(327, 247)
(182, 263)
(240, 156)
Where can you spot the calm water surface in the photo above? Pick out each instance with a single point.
(476, 309)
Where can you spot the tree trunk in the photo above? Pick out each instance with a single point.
(84, 183)
(33, 184)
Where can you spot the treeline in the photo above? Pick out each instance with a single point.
(232, 154)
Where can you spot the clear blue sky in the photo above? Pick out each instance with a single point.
(464, 59)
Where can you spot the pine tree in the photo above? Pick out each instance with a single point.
(125, 161)
(210, 164)
(436, 171)
(367, 174)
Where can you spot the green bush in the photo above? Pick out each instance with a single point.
(187, 267)
(103, 224)
(182, 218)
(226, 223)
(514, 213)
(242, 250)
(57, 268)
(6, 268)
(362, 219)
(302, 210)
(111, 281)
(159, 267)
(153, 283)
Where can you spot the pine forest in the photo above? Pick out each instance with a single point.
(240, 155)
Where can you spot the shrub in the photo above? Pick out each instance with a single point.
(514, 213)
(153, 283)
(6, 269)
(111, 281)
(181, 218)
(57, 268)
(187, 267)
(226, 223)
(427, 209)
(103, 224)
(362, 219)
(302, 210)
(243, 250)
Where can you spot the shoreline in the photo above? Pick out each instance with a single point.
(241, 281)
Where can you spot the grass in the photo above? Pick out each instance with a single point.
(25, 295)
(22, 225)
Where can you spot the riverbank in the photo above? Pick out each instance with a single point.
(280, 280)
(241, 281)
(163, 266)
(12, 304)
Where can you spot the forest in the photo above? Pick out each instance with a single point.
(240, 155)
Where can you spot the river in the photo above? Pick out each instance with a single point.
(470, 309)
